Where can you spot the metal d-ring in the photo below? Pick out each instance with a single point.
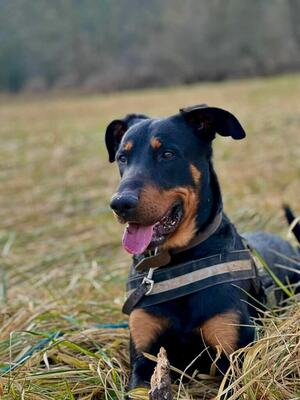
(149, 281)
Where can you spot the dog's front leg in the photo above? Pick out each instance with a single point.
(145, 331)
(141, 369)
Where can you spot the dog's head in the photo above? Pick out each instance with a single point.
(167, 189)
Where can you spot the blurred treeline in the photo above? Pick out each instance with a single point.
(119, 44)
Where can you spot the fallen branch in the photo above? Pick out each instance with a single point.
(161, 380)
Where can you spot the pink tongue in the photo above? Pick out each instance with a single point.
(136, 238)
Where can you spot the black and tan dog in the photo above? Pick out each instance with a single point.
(201, 294)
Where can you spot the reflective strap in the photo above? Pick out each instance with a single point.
(230, 267)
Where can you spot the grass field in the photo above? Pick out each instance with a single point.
(62, 270)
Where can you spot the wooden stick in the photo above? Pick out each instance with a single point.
(161, 380)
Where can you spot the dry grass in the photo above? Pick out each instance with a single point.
(62, 270)
(271, 366)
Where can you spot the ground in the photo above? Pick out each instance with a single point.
(62, 270)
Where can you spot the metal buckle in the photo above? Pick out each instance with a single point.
(149, 281)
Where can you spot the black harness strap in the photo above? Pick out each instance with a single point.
(134, 298)
(183, 279)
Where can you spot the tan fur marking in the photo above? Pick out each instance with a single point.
(222, 330)
(196, 174)
(145, 328)
(154, 203)
(155, 143)
(187, 227)
(128, 146)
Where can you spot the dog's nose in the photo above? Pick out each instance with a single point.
(124, 204)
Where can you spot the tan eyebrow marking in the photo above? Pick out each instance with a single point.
(155, 143)
(128, 146)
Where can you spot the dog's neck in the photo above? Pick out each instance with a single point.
(224, 238)
(211, 204)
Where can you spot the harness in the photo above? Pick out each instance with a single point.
(158, 285)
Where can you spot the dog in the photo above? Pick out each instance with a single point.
(194, 278)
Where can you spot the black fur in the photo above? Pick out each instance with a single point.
(115, 131)
(189, 134)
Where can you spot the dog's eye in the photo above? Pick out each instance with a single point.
(122, 159)
(168, 155)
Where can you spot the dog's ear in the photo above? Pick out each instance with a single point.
(208, 121)
(116, 130)
(113, 136)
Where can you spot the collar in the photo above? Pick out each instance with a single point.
(160, 259)
(172, 282)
